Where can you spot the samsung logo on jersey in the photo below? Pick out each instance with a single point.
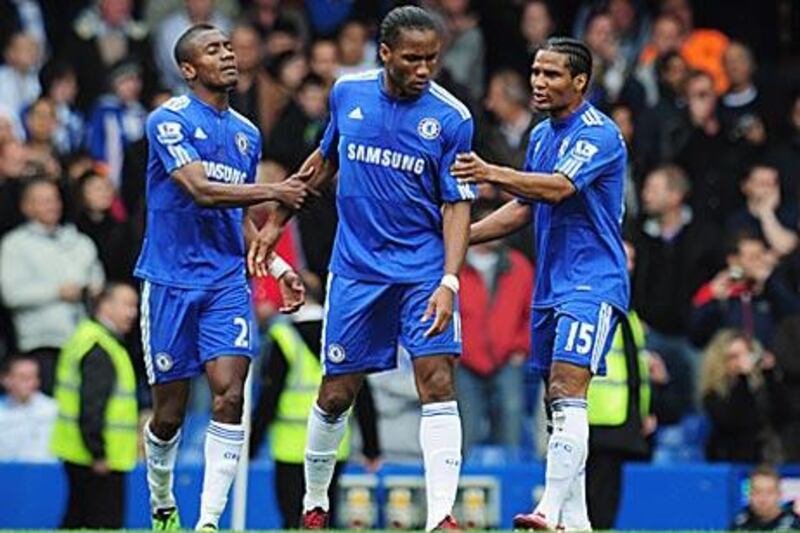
(385, 158)
(224, 173)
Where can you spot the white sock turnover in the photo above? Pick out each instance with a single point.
(222, 450)
(161, 456)
(440, 439)
(325, 432)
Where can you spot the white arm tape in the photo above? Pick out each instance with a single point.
(278, 267)
(451, 282)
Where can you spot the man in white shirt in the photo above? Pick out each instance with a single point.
(26, 415)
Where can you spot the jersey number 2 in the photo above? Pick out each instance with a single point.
(243, 339)
(582, 332)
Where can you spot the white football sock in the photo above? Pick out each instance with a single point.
(566, 454)
(222, 450)
(574, 512)
(440, 439)
(161, 456)
(325, 432)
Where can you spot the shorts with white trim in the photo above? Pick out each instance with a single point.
(578, 332)
(182, 329)
(366, 321)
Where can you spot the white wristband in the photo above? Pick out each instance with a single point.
(451, 282)
(278, 267)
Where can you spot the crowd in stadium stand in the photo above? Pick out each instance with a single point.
(707, 100)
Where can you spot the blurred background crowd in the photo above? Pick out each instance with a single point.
(706, 94)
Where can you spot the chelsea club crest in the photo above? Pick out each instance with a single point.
(429, 128)
(242, 143)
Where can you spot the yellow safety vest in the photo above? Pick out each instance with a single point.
(122, 413)
(288, 432)
(608, 395)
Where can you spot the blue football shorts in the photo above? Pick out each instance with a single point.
(182, 329)
(578, 332)
(366, 321)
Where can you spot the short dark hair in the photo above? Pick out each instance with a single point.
(579, 57)
(766, 470)
(736, 238)
(406, 18)
(11, 360)
(183, 46)
(311, 80)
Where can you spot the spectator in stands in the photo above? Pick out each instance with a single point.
(103, 34)
(96, 432)
(26, 415)
(496, 283)
(118, 119)
(60, 85)
(765, 212)
(465, 50)
(702, 48)
(46, 270)
(622, 115)
(785, 151)
(19, 82)
(630, 21)
(113, 238)
(674, 255)
(743, 109)
(667, 37)
(765, 510)
(301, 124)
(356, 53)
(743, 397)
(278, 82)
(503, 138)
(536, 25)
(169, 29)
(16, 166)
(664, 127)
(41, 124)
(708, 156)
(247, 47)
(37, 18)
(749, 294)
(323, 60)
(610, 65)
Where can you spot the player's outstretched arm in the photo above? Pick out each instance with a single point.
(455, 229)
(505, 221)
(551, 188)
(192, 177)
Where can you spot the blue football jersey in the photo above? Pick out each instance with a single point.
(579, 240)
(187, 245)
(394, 161)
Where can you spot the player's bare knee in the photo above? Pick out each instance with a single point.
(335, 402)
(227, 407)
(165, 425)
(437, 386)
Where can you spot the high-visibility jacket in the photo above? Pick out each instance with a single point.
(121, 415)
(609, 395)
(288, 431)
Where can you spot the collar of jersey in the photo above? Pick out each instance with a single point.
(208, 106)
(566, 122)
(385, 94)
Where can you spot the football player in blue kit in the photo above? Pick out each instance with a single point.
(401, 241)
(571, 189)
(196, 311)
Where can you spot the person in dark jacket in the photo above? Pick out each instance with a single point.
(750, 294)
(743, 396)
(765, 511)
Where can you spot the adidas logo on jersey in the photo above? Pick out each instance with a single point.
(200, 134)
(356, 114)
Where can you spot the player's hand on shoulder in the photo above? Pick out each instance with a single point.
(470, 168)
(440, 306)
(293, 292)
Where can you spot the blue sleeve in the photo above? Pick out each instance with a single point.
(330, 140)
(170, 139)
(459, 142)
(528, 167)
(252, 175)
(588, 155)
